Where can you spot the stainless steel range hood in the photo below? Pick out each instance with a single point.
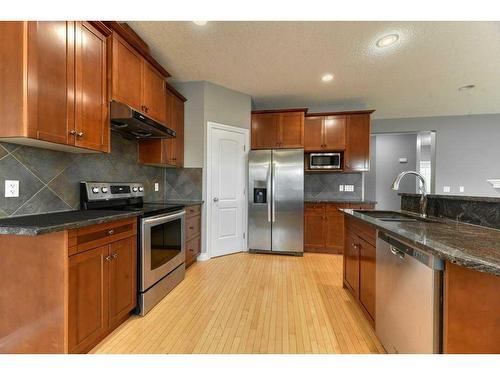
(133, 124)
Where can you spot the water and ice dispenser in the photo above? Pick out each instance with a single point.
(260, 195)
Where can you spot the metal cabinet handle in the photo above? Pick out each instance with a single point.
(79, 134)
(397, 253)
(72, 132)
(108, 258)
(115, 255)
(111, 232)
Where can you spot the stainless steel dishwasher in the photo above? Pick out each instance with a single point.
(408, 301)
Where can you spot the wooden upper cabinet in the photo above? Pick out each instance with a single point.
(88, 298)
(313, 133)
(277, 129)
(56, 97)
(126, 74)
(91, 96)
(291, 130)
(264, 130)
(153, 93)
(136, 82)
(167, 152)
(357, 152)
(334, 133)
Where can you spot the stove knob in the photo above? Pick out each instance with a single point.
(134, 189)
(104, 189)
(95, 190)
(141, 188)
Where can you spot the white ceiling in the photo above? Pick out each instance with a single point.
(280, 64)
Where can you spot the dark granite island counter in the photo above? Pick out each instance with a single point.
(471, 278)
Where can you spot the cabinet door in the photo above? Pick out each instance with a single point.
(126, 73)
(88, 298)
(91, 101)
(313, 133)
(51, 81)
(264, 130)
(153, 93)
(357, 151)
(314, 231)
(122, 279)
(351, 263)
(291, 130)
(367, 256)
(178, 120)
(334, 133)
(334, 230)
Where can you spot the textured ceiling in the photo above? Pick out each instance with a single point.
(280, 63)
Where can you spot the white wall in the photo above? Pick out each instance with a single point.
(467, 149)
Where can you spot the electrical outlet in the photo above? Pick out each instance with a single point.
(348, 187)
(341, 187)
(461, 188)
(446, 189)
(11, 188)
(157, 186)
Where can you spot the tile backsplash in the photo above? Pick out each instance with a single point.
(49, 180)
(184, 183)
(325, 185)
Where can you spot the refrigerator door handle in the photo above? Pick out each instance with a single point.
(269, 187)
(273, 173)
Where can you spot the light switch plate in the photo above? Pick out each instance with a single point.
(341, 187)
(11, 188)
(461, 188)
(403, 160)
(446, 189)
(157, 186)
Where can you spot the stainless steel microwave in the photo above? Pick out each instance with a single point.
(325, 160)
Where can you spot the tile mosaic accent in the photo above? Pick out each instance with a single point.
(184, 184)
(326, 186)
(49, 180)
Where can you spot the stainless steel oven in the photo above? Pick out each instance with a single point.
(162, 257)
(325, 160)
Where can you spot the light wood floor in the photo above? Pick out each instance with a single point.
(252, 303)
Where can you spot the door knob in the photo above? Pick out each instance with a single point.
(216, 199)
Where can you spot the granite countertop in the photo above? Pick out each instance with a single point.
(464, 244)
(33, 225)
(325, 200)
(455, 197)
(185, 202)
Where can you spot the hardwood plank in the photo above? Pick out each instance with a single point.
(252, 303)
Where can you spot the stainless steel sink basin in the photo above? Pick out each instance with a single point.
(395, 216)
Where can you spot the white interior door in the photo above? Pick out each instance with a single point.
(227, 191)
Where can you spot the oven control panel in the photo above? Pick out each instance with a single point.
(98, 191)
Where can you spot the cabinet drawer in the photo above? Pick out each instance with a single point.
(314, 208)
(83, 239)
(193, 210)
(193, 249)
(193, 227)
(363, 231)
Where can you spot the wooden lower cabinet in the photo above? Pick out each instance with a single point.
(102, 291)
(193, 233)
(324, 226)
(359, 264)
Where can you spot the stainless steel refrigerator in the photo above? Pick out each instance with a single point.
(276, 201)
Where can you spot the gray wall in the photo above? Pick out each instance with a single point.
(467, 149)
(49, 180)
(389, 148)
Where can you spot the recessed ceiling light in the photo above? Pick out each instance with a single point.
(327, 77)
(467, 87)
(387, 40)
(200, 23)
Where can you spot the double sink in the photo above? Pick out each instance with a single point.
(396, 216)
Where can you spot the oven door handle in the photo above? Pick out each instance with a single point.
(162, 219)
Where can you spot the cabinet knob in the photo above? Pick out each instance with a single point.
(72, 132)
(108, 258)
(79, 134)
(115, 255)
(111, 232)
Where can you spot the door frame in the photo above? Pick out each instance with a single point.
(211, 126)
